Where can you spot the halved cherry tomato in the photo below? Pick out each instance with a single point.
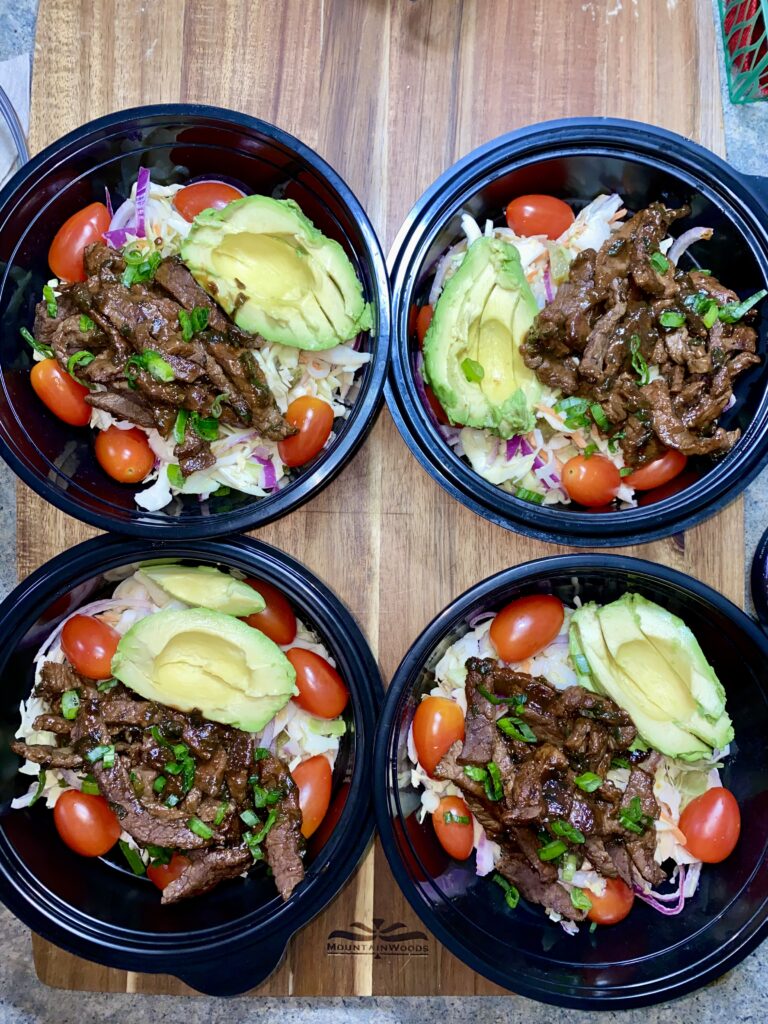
(437, 724)
(660, 471)
(314, 419)
(164, 874)
(65, 257)
(89, 645)
(86, 823)
(124, 454)
(456, 837)
(331, 819)
(321, 689)
(63, 395)
(277, 621)
(526, 626)
(204, 195)
(313, 778)
(614, 905)
(539, 215)
(711, 824)
(423, 320)
(437, 409)
(593, 481)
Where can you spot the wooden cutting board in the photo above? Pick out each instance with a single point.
(390, 92)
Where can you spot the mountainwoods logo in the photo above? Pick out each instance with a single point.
(380, 940)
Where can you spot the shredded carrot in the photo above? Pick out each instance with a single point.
(679, 836)
(578, 439)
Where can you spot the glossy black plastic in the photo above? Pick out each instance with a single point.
(577, 159)
(177, 143)
(232, 938)
(647, 958)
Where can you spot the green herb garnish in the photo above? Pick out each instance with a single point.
(493, 787)
(639, 365)
(49, 297)
(194, 322)
(620, 762)
(569, 865)
(175, 476)
(671, 318)
(451, 818)
(525, 495)
(81, 358)
(180, 426)
(580, 900)
(553, 850)
(659, 262)
(736, 310)
(613, 441)
(107, 684)
(90, 786)
(86, 324)
(205, 427)
(159, 784)
(263, 797)
(105, 753)
(511, 894)
(260, 753)
(590, 450)
(567, 831)
(40, 787)
(599, 416)
(216, 404)
(476, 774)
(153, 363)
(70, 704)
(626, 471)
(517, 729)
(250, 819)
(588, 782)
(44, 350)
(158, 854)
(472, 370)
(139, 268)
(491, 697)
(135, 863)
(632, 817)
(199, 828)
(221, 813)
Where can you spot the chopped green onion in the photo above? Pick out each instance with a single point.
(620, 762)
(135, 863)
(90, 786)
(590, 450)
(158, 854)
(632, 817)
(266, 827)
(194, 322)
(476, 774)
(264, 797)
(256, 851)
(639, 364)
(249, 818)
(108, 760)
(491, 697)
(588, 782)
(49, 298)
(138, 269)
(671, 318)
(175, 476)
(221, 813)
(70, 704)
(205, 427)
(736, 310)
(44, 350)
(158, 737)
(180, 750)
(570, 863)
(153, 363)
(525, 495)
(710, 317)
(199, 828)
(515, 727)
(172, 800)
(107, 684)
(136, 784)
(580, 900)
(593, 926)
(86, 324)
(567, 831)
(101, 753)
(188, 776)
(659, 262)
(40, 787)
(451, 818)
(598, 415)
(260, 753)
(613, 441)
(159, 784)
(173, 768)
(216, 404)
(180, 426)
(472, 370)
(572, 406)
(511, 894)
(553, 850)
(582, 664)
(221, 492)
(493, 788)
(81, 358)
(626, 471)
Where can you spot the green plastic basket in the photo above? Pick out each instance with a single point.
(745, 39)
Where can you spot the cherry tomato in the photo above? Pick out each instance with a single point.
(65, 257)
(437, 724)
(89, 645)
(420, 847)
(204, 195)
(434, 404)
(526, 626)
(539, 215)
(660, 471)
(423, 320)
(86, 823)
(711, 824)
(277, 621)
(614, 905)
(456, 837)
(164, 874)
(313, 777)
(314, 419)
(321, 689)
(331, 820)
(61, 393)
(124, 454)
(593, 481)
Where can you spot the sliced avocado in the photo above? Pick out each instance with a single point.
(276, 274)
(472, 356)
(206, 587)
(209, 661)
(652, 721)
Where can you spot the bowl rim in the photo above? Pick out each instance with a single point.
(398, 692)
(363, 414)
(267, 928)
(637, 141)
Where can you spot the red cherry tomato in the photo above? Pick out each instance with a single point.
(423, 320)
(539, 215)
(313, 777)
(89, 645)
(65, 257)
(614, 905)
(456, 837)
(437, 724)
(659, 472)
(86, 823)
(124, 455)
(321, 689)
(204, 195)
(591, 482)
(164, 874)
(314, 419)
(63, 395)
(277, 621)
(711, 824)
(526, 626)
(331, 819)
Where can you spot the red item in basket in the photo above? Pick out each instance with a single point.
(747, 11)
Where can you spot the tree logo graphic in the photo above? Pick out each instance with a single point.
(377, 940)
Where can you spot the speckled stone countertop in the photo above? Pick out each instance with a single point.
(740, 996)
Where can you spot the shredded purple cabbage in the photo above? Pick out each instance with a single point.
(142, 194)
(270, 476)
(657, 900)
(108, 198)
(418, 365)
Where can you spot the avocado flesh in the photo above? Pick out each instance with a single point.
(483, 314)
(206, 587)
(276, 274)
(198, 659)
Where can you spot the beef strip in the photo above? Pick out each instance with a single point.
(479, 725)
(47, 756)
(206, 869)
(193, 453)
(56, 678)
(518, 870)
(284, 844)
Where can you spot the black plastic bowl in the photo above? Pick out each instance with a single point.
(577, 160)
(232, 938)
(647, 958)
(177, 143)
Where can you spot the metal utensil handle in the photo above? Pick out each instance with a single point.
(11, 118)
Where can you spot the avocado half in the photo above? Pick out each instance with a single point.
(276, 274)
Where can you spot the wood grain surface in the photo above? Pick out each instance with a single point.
(390, 92)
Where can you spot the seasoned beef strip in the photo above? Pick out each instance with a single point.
(517, 869)
(284, 844)
(47, 756)
(205, 870)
